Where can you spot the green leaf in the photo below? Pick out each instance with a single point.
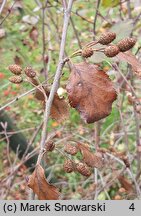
(110, 3)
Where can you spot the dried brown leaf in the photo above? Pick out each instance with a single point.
(132, 60)
(39, 95)
(34, 34)
(91, 159)
(90, 91)
(38, 183)
(125, 183)
(18, 60)
(59, 109)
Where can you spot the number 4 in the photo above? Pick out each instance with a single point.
(132, 207)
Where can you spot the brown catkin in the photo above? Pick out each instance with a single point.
(126, 161)
(30, 72)
(111, 51)
(83, 169)
(16, 79)
(68, 166)
(49, 146)
(70, 149)
(15, 69)
(126, 44)
(107, 38)
(87, 52)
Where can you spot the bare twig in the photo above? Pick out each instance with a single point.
(129, 172)
(82, 17)
(129, 9)
(26, 93)
(137, 124)
(2, 6)
(76, 33)
(8, 13)
(97, 142)
(115, 66)
(44, 39)
(104, 184)
(17, 98)
(95, 18)
(32, 139)
(8, 144)
(56, 79)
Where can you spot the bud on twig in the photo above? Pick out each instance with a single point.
(49, 146)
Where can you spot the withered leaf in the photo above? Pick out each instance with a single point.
(34, 34)
(125, 183)
(18, 60)
(91, 159)
(59, 109)
(39, 95)
(38, 183)
(90, 91)
(132, 60)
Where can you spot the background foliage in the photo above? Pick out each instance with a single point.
(30, 35)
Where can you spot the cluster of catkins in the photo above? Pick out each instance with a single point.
(111, 50)
(17, 71)
(81, 167)
(70, 165)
